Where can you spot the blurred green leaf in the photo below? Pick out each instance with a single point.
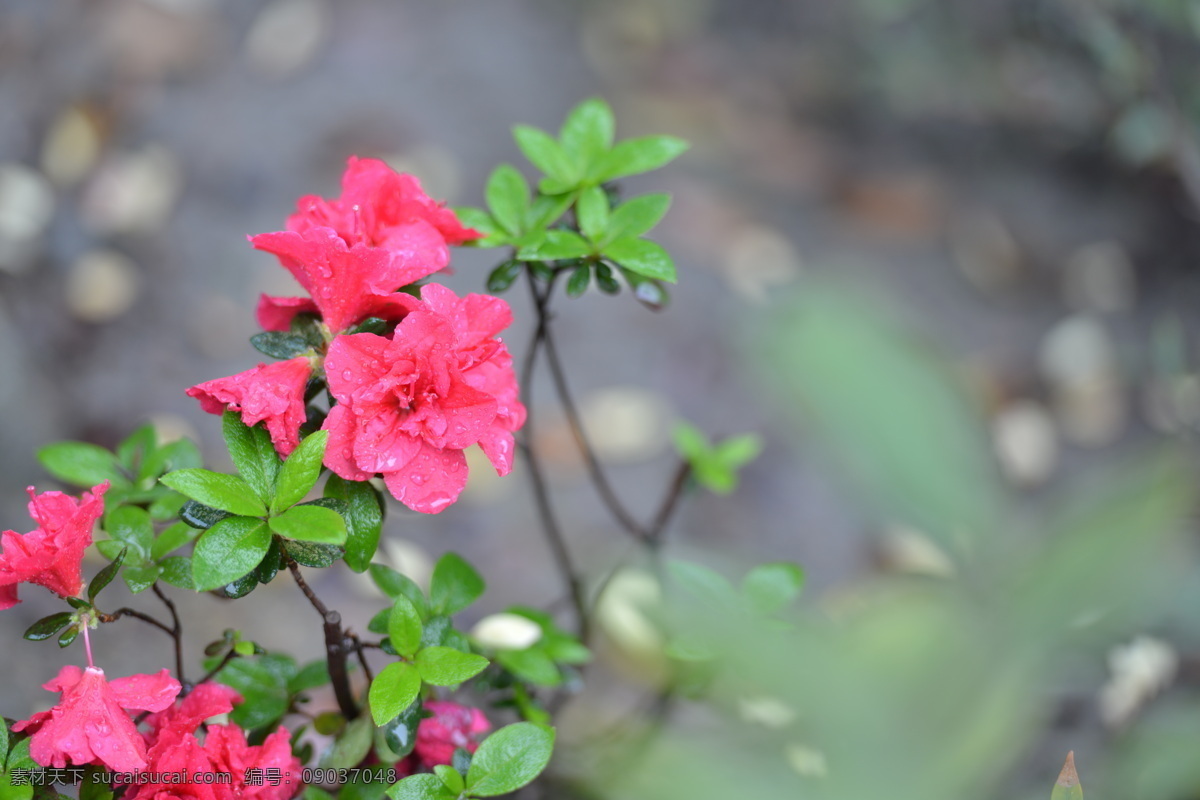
(557, 246)
(634, 156)
(503, 276)
(421, 787)
(352, 746)
(636, 217)
(507, 196)
(581, 278)
(1067, 787)
(644, 257)
(81, 464)
(587, 132)
(455, 584)
(394, 584)
(592, 211)
(771, 587)
(546, 154)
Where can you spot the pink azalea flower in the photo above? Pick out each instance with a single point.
(348, 283)
(51, 554)
(90, 724)
(226, 747)
(383, 208)
(452, 726)
(271, 392)
(408, 406)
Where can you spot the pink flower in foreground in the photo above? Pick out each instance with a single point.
(175, 749)
(270, 392)
(348, 283)
(408, 406)
(51, 554)
(451, 726)
(90, 724)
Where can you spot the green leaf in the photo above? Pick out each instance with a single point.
(503, 276)
(400, 734)
(225, 492)
(364, 519)
(271, 563)
(180, 454)
(546, 154)
(587, 132)
(634, 156)
(68, 636)
(393, 690)
(1068, 787)
(605, 279)
(509, 759)
(507, 196)
(445, 666)
(237, 589)
(253, 454)
(280, 345)
(46, 627)
(81, 464)
(310, 554)
(310, 676)
(3, 743)
(132, 526)
(592, 211)
(139, 579)
(736, 451)
(135, 447)
(262, 682)
(300, 472)
(177, 571)
(546, 209)
(581, 278)
(198, 515)
(172, 537)
(635, 217)
(421, 787)
(455, 584)
(394, 584)
(310, 524)
(890, 414)
(449, 776)
(557, 246)
(644, 257)
(352, 746)
(770, 587)
(531, 665)
(104, 577)
(229, 550)
(404, 626)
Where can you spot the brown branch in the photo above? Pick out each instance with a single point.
(176, 630)
(337, 645)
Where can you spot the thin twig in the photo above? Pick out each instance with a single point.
(550, 526)
(337, 645)
(208, 676)
(176, 629)
(131, 612)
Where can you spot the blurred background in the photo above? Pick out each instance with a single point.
(1016, 181)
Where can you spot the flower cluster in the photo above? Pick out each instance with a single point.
(51, 554)
(409, 398)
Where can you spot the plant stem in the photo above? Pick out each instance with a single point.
(176, 630)
(337, 645)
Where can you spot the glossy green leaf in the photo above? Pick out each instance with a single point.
(420, 787)
(449, 776)
(237, 589)
(557, 246)
(770, 587)
(445, 666)
(271, 563)
(587, 132)
(177, 571)
(581, 278)
(404, 626)
(352, 746)
(507, 196)
(253, 454)
(509, 759)
(47, 626)
(140, 578)
(400, 734)
(280, 345)
(364, 519)
(606, 280)
(634, 156)
(229, 550)
(644, 257)
(172, 537)
(455, 584)
(68, 636)
(546, 154)
(393, 690)
(81, 464)
(132, 526)
(394, 584)
(592, 212)
(224, 492)
(503, 276)
(104, 577)
(311, 554)
(310, 524)
(299, 473)
(198, 515)
(636, 217)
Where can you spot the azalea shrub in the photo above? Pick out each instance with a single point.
(380, 379)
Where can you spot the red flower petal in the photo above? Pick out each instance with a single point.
(451, 726)
(270, 392)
